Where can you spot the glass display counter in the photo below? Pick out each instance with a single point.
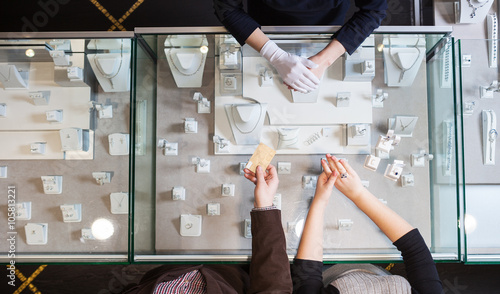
(65, 103)
(477, 66)
(204, 103)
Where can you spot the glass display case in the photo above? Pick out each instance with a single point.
(65, 153)
(204, 103)
(477, 66)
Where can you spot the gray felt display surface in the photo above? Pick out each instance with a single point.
(224, 233)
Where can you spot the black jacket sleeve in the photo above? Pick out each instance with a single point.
(361, 24)
(269, 268)
(235, 19)
(420, 268)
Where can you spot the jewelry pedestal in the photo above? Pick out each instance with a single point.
(471, 11)
(112, 71)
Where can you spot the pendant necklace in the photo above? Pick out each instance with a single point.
(474, 8)
(403, 69)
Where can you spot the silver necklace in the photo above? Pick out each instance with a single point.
(6, 79)
(403, 70)
(120, 202)
(112, 75)
(474, 8)
(254, 127)
(404, 127)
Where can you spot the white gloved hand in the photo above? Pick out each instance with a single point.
(294, 70)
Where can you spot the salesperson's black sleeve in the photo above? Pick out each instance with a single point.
(361, 24)
(235, 19)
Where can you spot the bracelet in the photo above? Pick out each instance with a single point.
(270, 207)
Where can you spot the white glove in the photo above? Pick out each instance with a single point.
(294, 70)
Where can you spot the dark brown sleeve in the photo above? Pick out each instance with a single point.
(270, 267)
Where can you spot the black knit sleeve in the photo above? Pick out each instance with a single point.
(307, 277)
(420, 268)
(361, 24)
(235, 19)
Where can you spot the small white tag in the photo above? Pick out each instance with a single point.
(249, 164)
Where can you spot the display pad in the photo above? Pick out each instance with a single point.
(54, 139)
(301, 133)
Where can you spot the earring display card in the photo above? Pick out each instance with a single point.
(213, 208)
(407, 180)
(309, 182)
(228, 189)
(23, 211)
(102, 177)
(119, 144)
(242, 168)
(203, 104)
(52, 184)
(343, 99)
(202, 165)
(105, 111)
(119, 203)
(178, 193)
(284, 168)
(190, 125)
(71, 213)
(54, 115)
(345, 224)
(38, 147)
(36, 233)
(72, 139)
(190, 225)
(231, 84)
(358, 134)
(87, 234)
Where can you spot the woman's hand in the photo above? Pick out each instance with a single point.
(326, 181)
(348, 181)
(266, 184)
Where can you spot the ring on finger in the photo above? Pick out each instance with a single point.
(343, 175)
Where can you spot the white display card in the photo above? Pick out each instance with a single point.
(23, 211)
(228, 189)
(38, 147)
(36, 233)
(52, 184)
(284, 168)
(213, 208)
(407, 180)
(178, 193)
(190, 225)
(202, 165)
(190, 125)
(119, 203)
(54, 115)
(87, 234)
(309, 182)
(119, 144)
(345, 224)
(71, 213)
(372, 162)
(102, 177)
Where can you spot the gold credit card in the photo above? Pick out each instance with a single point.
(262, 156)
